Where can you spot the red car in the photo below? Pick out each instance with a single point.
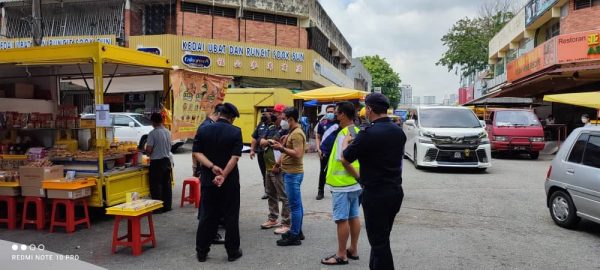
(516, 131)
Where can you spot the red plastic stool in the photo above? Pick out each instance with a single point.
(135, 239)
(11, 211)
(40, 212)
(194, 191)
(70, 221)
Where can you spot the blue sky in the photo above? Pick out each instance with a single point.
(407, 33)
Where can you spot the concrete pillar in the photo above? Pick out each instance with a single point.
(127, 22)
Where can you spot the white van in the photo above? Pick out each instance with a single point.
(133, 127)
(446, 137)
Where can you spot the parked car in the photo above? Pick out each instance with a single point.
(573, 179)
(515, 131)
(446, 137)
(133, 127)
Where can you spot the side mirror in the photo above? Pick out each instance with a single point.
(483, 123)
(410, 122)
(131, 124)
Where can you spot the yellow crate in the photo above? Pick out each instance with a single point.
(9, 184)
(122, 210)
(61, 184)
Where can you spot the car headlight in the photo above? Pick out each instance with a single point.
(423, 139)
(427, 134)
(500, 138)
(536, 139)
(483, 135)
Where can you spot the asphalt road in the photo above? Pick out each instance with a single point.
(449, 220)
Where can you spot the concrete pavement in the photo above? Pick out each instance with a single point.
(449, 220)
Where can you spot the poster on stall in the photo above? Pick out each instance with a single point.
(195, 96)
(103, 118)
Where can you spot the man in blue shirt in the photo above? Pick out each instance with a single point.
(326, 133)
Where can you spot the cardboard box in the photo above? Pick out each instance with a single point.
(33, 176)
(69, 194)
(33, 192)
(10, 191)
(19, 90)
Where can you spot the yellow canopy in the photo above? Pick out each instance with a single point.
(331, 93)
(586, 99)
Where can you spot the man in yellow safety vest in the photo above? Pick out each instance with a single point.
(342, 180)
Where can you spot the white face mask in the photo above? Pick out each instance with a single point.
(284, 125)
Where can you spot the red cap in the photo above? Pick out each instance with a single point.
(279, 107)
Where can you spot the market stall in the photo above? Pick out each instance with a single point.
(41, 138)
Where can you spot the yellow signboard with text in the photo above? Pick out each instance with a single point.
(229, 58)
(16, 43)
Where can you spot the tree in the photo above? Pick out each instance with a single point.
(467, 41)
(384, 76)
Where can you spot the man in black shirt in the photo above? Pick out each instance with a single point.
(218, 149)
(379, 149)
(255, 149)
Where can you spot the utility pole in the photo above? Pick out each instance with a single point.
(36, 22)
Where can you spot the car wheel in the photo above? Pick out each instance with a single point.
(142, 145)
(415, 159)
(534, 155)
(563, 210)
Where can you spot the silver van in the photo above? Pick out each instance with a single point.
(573, 180)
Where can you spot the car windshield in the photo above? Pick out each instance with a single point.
(448, 118)
(516, 119)
(141, 119)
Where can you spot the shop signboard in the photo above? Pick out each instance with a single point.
(579, 47)
(195, 95)
(536, 8)
(16, 43)
(539, 58)
(230, 57)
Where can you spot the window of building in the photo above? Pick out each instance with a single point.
(208, 10)
(553, 30)
(577, 152)
(159, 19)
(580, 4)
(591, 156)
(272, 18)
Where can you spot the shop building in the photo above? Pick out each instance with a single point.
(260, 43)
(549, 47)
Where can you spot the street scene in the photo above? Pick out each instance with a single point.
(284, 134)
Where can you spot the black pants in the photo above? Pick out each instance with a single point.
(160, 181)
(323, 171)
(380, 208)
(261, 165)
(217, 202)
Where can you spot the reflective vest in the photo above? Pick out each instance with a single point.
(337, 176)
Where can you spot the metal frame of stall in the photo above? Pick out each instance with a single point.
(98, 55)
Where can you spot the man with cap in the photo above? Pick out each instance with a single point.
(210, 119)
(255, 148)
(379, 149)
(218, 150)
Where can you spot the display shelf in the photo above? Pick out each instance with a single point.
(135, 208)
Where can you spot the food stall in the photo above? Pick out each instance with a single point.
(38, 133)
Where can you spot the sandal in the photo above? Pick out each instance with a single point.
(338, 260)
(349, 255)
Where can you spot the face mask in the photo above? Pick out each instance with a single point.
(264, 118)
(330, 116)
(284, 125)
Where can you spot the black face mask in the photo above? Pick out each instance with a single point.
(264, 118)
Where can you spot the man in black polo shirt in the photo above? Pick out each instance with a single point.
(379, 149)
(218, 149)
(255, 149)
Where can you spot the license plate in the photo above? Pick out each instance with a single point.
(457, 155)
(520, 148)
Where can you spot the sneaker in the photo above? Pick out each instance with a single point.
(320, 195)
(270, 224)
(287, 235)
(289, 241)
(235, 256)
(281, 230)
(218, 240)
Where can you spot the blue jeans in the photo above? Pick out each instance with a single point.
(292, 182)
